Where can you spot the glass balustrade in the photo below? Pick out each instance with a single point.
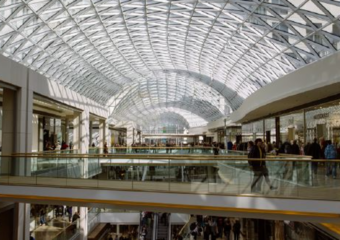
(278, 176)
(164, 150)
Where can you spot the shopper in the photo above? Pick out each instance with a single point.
(259, 166)
(75, 217)
(31, 237)
(227, 229)
(286, 148)
(194, 230)
(42, 217)
(64, 146)
(213, 229)
(69, 213)
(220, 225)
(106, 149)
(250, 146)
(295, 148)
(216, 148)
(237, 230)
(314, 150)
(143, 233)
(331, 153)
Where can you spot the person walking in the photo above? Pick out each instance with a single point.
(331, 153)
(216, 148)
(227, 229)
(31, 237)
(295, 148)
(106, 149)
(314, 150)
(259, 166)
(143, 233)
(194, 230)
(75, 217)
(42, 217)
(237, 230)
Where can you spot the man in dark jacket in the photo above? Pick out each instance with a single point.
(295, 148)
(286, 148)
(258, 166)
(314, 150)
(295, 151)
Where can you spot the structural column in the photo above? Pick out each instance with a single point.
(40, 135)
(277, 130)
(84, 128)
(81, 139)
(90, 133)
(22, 221)
(67, 127)
(81, 132)
(83, 222)
(107, 134)
(102, 133)
(305, 128)
(129, 134)
(17, 130)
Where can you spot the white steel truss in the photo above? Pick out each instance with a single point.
(230, 48)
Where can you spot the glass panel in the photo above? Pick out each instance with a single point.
(279, 176)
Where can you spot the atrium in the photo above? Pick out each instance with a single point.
(118, 107)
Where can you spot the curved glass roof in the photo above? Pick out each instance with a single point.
(169, 119)
(141, 55)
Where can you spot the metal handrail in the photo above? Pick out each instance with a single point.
(282, 159)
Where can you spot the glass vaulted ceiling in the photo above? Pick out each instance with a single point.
(161, 55)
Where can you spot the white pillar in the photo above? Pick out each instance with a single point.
(129, 134)
(84, 131)
(107, 134)
(102, 133)
(17, 130)
(22, 221)
(215, 139)
(90, 133)
(8, 126)
(41, 135)
(81, 132)
(83, 222)
(76, 133)
(35, 133)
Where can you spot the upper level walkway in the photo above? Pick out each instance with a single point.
(174, 150)
(185, 183)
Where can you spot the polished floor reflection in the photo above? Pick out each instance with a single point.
(52, 230)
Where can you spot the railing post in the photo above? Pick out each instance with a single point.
(169, 174)
(155, 226)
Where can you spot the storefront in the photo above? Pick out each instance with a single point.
(118, 136)
(321, 121)
(292, 127)
(253, 130)
(233, 134)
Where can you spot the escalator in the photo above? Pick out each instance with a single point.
(146, 226)
(162, 226)
(154, 226)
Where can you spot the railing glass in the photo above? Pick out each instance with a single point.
(282, 176)
(165, 150)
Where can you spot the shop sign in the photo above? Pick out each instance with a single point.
(321, 116)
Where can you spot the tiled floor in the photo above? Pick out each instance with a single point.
(51, 229)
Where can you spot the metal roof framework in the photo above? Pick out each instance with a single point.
(128, 54)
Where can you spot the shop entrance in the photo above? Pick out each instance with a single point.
(321, 131)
